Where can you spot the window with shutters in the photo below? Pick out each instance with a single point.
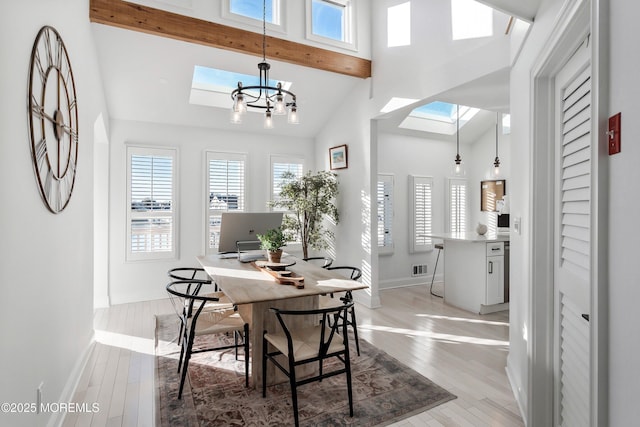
(225, 191)
(421, 218)
(283, 170)
(457, 205)
(279, 166)
(151, 203)
(385, 213)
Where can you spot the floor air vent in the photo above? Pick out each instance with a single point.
(419, 269)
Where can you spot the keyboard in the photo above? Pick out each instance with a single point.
(251, 257)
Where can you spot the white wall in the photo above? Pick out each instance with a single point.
(434, 63)
(350, 125)
(46, 260)
(434, 158)
(402, 156)
(145, 280)
(624, 203)
(479, 158)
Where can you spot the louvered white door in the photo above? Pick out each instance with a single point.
(572, 240)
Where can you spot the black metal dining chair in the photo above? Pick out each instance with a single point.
(198, 277)
(353, 273)
(202, 319)
(309, 344)
(325, 261)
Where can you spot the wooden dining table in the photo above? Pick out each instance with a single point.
(255, 291)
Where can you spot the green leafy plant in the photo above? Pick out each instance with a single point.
(310, 199)
(272, 239)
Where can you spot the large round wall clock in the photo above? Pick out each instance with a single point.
(53, 119)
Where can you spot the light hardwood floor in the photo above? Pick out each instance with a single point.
(460, 351)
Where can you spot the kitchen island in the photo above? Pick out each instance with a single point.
(476, 271)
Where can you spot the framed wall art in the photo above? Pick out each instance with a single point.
(338, 157)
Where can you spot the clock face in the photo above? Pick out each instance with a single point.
(53, 119)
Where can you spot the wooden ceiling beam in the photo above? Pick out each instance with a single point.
(159, 22)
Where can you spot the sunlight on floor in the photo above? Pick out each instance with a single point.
(463, 319)
(137, 344)
(436, 336)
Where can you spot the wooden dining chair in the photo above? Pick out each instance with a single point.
(202, 319)
(353, 273)
(310, 344)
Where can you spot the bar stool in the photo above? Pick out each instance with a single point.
(439, 247)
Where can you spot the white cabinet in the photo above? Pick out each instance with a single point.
(474, 277)
(495, 274)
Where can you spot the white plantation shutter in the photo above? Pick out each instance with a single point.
(457, 205)
(574, 242)
(384, 197)
(280, 165)
(225, 191)
(151, 213)
(421, 191)
(576, 175)
(574, 365)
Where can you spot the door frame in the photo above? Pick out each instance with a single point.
(576, 20)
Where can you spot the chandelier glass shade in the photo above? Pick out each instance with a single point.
(273, 100)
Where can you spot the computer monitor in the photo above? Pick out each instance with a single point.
(244, 227)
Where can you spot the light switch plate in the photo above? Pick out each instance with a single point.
(517, 225)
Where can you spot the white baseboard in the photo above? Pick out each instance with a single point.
(367, 298)
(57, 418)
(486, 309)
(517, 392)
(412, 281)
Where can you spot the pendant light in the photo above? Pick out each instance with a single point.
(496, 161)
(458, 166)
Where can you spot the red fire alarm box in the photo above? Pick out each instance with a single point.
(614, 134)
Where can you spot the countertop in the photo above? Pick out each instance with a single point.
(472, 237)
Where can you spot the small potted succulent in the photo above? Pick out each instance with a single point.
(272, 241)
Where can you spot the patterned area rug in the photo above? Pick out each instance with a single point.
(384, 390)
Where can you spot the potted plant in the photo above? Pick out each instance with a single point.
(309, 199)
(272, 241)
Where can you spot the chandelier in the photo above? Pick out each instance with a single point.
(274, 100)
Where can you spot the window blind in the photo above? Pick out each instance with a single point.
(576, 178)
(225, 190)
(278, 169)
(385, 212)
(421, 221)
(279, 166)
(151, 190)
(457, 205)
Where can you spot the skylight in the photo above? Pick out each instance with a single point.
(438, 117)
(470, 19)
(443, 112)
(399, 25)
(396, 103)
(212, 86)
